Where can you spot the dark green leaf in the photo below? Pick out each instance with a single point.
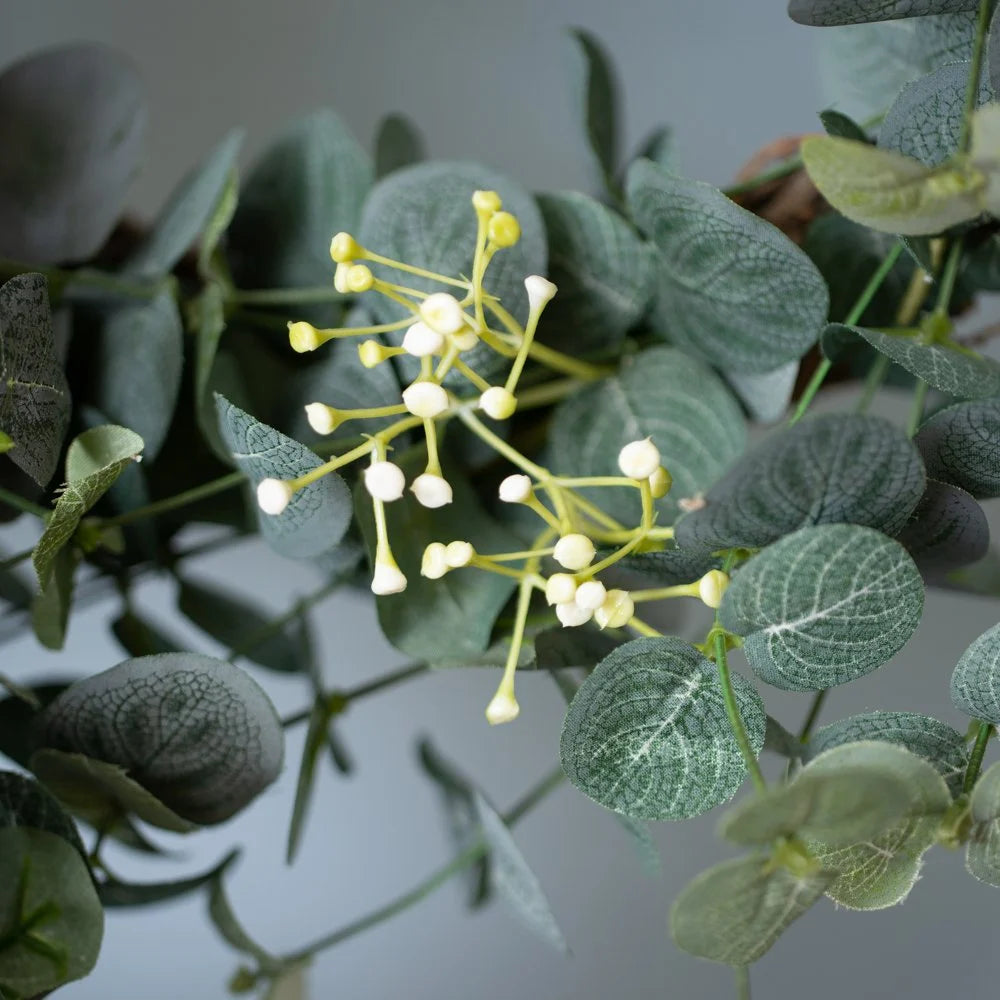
(837, 123)
(115, 893)
(34, 395)
(948, 529)
(975, 682)
(565, 648)
(765, 307)
(51, 606)
(138, 637)
(72, 123)
(829, 12)
(647, 733)
(398, 144)
(961, 445)
(598, 96)
(660, 147)
(25, 803)
(196, 732)
(221, 914)
(319, 720)
(18, 733)
(825, 470)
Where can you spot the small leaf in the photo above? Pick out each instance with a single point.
(34, 394)
(824, 606)
(139, 637)
(188, 210)
(948, 529)
(51, 606)
(316, 734)
(838, 124)
(598, 97)
(44, 878)
(514, 880)
(196, 732)
(982, 855)
(659, 146)
(73, 123)
(765, 395)
(766, 307)
(647, 733)
(96, 458)
(645, 846)
(827, 12)
(221, 914)
(115, 893)
(827, 469)
(733, 913)
(317, 517)
(889, 192)
(398, 144)
(662, 393)
(975, 682)
(961, 445)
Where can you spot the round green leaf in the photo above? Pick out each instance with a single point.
(975, 683)
(72, 124)
(647, 733)
(423, 215)
(733, 913)
(982, 855)
(660, 393)
(961, 445)
(824, 606)
(948, 529)
(733, 290)
(398, 144)
(51, 919)
(197, 733)
(827, 469)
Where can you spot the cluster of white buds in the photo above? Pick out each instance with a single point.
(439, 558)
(576, 603)
(386, 481)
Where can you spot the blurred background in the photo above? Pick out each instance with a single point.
(491, 82)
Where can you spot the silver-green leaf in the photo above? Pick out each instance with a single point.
(975, 682)
(947, 529)
(961, 445)
(823, 13)
(982, 855)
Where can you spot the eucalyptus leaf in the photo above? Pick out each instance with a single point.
(96, 458)
(73, 124)
(982, 855)
(139, 637)
(564, 648)
(947, 529)
(423, 215)
(828, 12)
(826, 469)
(398, 144)
(647, 733)
(224, 920)
(34, 394)
(961, 445)
(660, 393)
(975, 682)
(210, 325)
(768, 304)
(733, 913)
(646, 848)
(660, 146)
(52, 919)
(824, 606)
(598, 94)
(196, 732)
(25, 803)
(51, 606)
(116, 893)
(765, 395)
(316, 733)
(837, 123)
(318, 516)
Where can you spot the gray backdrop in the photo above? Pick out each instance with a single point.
(488, 81)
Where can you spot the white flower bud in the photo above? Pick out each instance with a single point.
(516, 489)
(712, 586)
(591, 595)
(616, 611)
(322, 419)
(385, 481)
(660, 483)
(344, 247)
(574, 552)
(572, 615)
(503, 708)
(421, 341)
(639, 459)
(340, 278)
(497, 402)
(458, 554)
(273, 495)
(442, 312)
(465, 340)
(387, 579)
(560, 588)
(303, 337)
(434, 564)
(425, 399)
(540, 291)
(431, 490)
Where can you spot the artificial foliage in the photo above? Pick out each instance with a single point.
(522, 421)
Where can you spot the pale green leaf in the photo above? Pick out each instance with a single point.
(982, 855)
(765, 395)
(318, 516)
(961, 445)
(825, 470)
(196, 732)
(72, 125)
(733, 913)
(975, 682)
(947, 529)
(398, 144)
(647, 733)
(646, 848)
(597, 94)
(217, 224)
(50, 607)
(660, 393)
(824, 606)
(767, 305)
(34, 394)
(828, 12)
(96, 458)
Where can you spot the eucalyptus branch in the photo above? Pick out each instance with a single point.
(193, 495)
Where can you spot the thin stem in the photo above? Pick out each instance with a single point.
(11, 561)
(949, 276)
(819, 376)
(917, 410)
(975, 71)
(500, 446)
(388, 680)
(976, 757)
(193, 495)
(20, 503)
(286, 296)
(876, 376)
(733, 711)
(775, 173)
(817, 704)
(743, 982)
(62, 281)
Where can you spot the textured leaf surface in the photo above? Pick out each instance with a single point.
(733, 913)
(398, 144)
(647, 733)
(25, 803)
(825, 470)
(515, 882)
(660, 393)
(34, 395)
(828, 12)
(947, 529)
(603, 271)
(766, 395)
(982, 855)
(961, 445)
(72, 125)
(95, 459)
(41, 870)
(939, 744)
(188, 210)
(598, 97)
(317, 517)
(51, 606)
(975, 682)
(423, 215)
(196, 732)
(766, 306)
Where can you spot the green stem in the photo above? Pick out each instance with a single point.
(775, 173)
(876, 376)
(917, 410)
(819, 376)
(61, 281)
(817, 704)
(975, 72)
(949, 276)
(11, 561)
(158, 507)
(733, 711)
(20, 503)
(743, 982)
(286, 296)
(976, 757)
